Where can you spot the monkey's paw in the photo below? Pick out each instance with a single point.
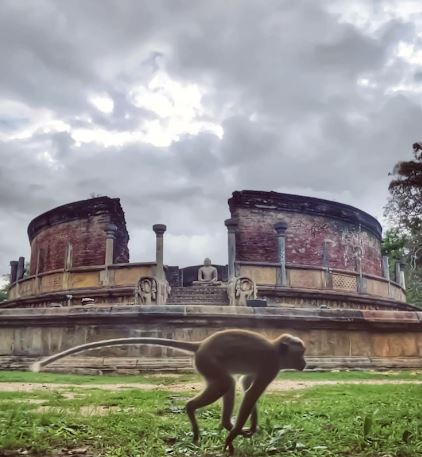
(230, 448)
(247, 432)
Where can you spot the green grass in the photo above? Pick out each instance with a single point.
(409, 375)
(59, 378)
(340, 420)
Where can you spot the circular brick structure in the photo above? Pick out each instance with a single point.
(73, 235)
(316, 263)
(319, 233)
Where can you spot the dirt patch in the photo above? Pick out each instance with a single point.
(76, 452)
(90, 410)
(31, 387)
(275, 386)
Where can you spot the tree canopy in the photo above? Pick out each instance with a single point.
(403, 242)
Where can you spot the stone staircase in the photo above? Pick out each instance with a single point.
(198, 295)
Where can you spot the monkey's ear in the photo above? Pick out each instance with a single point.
(284, 348)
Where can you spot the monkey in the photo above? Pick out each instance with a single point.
(217, 358)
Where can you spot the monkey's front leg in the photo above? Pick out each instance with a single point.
(228, 405)
(248, 403)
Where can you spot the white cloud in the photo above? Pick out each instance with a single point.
(102, 103)
(178, 108)
(172, 109)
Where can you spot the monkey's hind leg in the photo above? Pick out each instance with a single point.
(218, 382)
(228, 405)
(246, 382)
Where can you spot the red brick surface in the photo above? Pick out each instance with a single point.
(83, 227)
(256, 239)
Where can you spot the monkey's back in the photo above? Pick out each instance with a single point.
(236, 352)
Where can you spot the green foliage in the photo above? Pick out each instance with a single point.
(406, 192)
(61, 378)
(4, 290)
(404, 211)
(169, 379)
(394, 246)
(359, 420)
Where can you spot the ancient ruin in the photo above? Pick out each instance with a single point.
(304, 265)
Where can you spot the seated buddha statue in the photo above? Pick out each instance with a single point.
(207, 275)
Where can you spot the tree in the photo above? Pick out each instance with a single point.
(4, 289)
(404, 211)
(394, 246)
(405, 205)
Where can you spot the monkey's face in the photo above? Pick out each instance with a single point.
(292, 352)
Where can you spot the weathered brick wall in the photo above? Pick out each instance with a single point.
(80, 224)
(347, 232)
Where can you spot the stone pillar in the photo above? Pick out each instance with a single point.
(110, 231)
(13, 271)
(386, 271)
(398, 273)
(385, 267)
(159, 230)
(21, 268)
(68, 257)
(231, 225)
(326, 264)
(402, 279)
(325, 255)
(280, 228)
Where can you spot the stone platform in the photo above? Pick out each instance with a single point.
(335, 338)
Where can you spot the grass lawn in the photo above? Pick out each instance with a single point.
(59, 378)
(336, 420)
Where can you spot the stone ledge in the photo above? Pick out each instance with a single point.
(335, 295)
(213, 315)
(136, 365)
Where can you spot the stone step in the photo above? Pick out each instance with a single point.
(197, 302)
(198, 295)
(214, 303)
(207, 299)
(187, 291)
(200, 288)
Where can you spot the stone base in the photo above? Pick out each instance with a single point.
(132, 365)
(333, 338)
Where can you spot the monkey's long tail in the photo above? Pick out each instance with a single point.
(182, 345)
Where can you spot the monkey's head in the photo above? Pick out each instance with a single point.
(292, 350)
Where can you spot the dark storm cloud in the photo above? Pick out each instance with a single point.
(309, 102)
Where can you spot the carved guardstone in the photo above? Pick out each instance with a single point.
(152, 291)
(240, 290)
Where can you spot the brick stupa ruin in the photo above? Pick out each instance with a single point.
(309, 266)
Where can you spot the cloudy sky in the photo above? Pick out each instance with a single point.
(172, 105)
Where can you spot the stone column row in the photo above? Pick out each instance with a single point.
(399, 273)
(231, 225)
(280, 228)
(159, 230)
(17, 269)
